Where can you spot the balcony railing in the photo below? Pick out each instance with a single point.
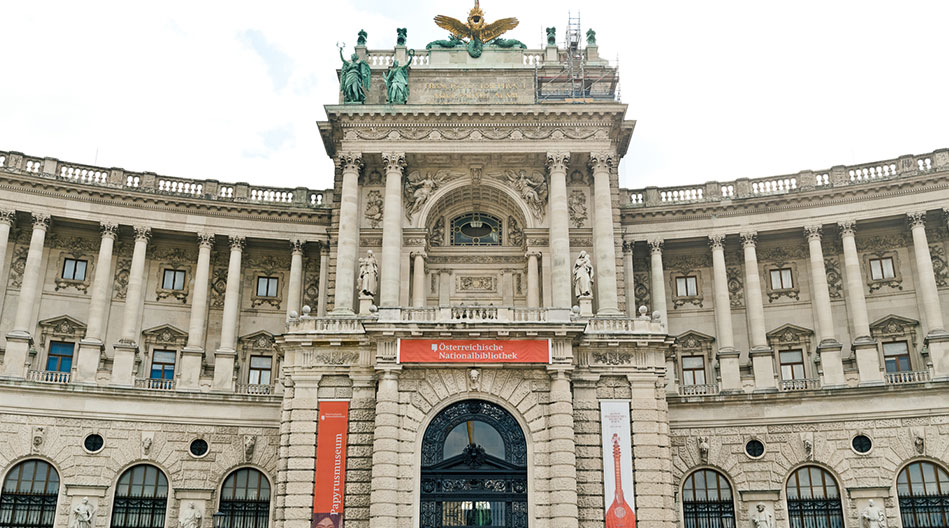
(699, 390)
(155, 384)
(254, 389)
(801, 384)
(460, 314)
(48, 376)
(911, 376)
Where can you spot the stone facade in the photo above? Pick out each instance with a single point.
(775, 310)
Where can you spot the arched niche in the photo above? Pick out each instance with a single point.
(460, 196)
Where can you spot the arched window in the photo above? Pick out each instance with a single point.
(476, 229)
(707, 500)
(141, 497)
(245, 499)
(28, 497)
(814, 499)
(923, 490)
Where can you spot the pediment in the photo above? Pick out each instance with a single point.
(63, 324)
(260, 340)
(789, 333)
(892, 324)
(166, 334)
(693, 340)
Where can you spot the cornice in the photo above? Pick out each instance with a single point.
(336, 112)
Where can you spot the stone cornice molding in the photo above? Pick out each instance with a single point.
(847, 228)
(237, 242)
(812, 232)
(108, 229)
(205, 240)
(716, 241)
(749, 239)
(41, 221)
(558, 161)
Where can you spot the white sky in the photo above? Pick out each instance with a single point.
(231, 90)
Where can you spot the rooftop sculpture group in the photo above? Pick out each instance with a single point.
(476, 33)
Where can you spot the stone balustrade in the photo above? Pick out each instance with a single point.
(48, 376)
(838, 176)
(254, 389)
(155, 384)
(383, 58)
(800, 384)
(912, 376)
(705, 389)
(116, 178)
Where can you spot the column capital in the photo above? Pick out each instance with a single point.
(394, 161)
(601, 160)
(108, 229)
(716, 241)
(422, 254)
(237, 242)
(655, 245)
(628, 245)
(535, 254)
(205, 240)
(558, 161)
(7, 216)
(142, 232)
(349, 161)
(41, 221)
(812, 232)
(296, 246)
(916, 219)
(749, 239)
(847, 227)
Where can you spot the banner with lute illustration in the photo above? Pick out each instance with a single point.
(618, 494)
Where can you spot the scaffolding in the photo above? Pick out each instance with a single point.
(577, 81)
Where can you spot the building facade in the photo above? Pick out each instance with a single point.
(168, 344)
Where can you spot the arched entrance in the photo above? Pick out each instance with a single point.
(474, 468)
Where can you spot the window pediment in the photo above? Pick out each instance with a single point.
(789, 334)
(62, 327)
(693, 342)
(893, 325)
(166, 335)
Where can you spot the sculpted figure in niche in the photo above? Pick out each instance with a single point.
(374, 208)
(354, 78)
(397, 81)
(872, 516)
(762, 518)
(368, 275)
(583, 275)
(190, 517)
(83, 515)
(436, 238)
(533, 189)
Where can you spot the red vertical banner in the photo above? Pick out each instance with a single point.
(330, 464)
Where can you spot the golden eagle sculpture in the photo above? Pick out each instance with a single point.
(476, 32)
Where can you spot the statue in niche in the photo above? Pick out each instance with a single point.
(419, 188)
(368, 275)
(872, 516)
(401, 34)
(83, 515)
(583, 275)
(703, 448)
(591, 37)
(515, 234)
(397, 81)
(374, 208)
(552, 36)
(190, 517)
(436, 238)
(533, 189)
(354, 78)
(762, 518)
(250, 443)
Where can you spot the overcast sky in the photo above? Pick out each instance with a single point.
(232, 90)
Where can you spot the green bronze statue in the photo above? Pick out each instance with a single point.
(552, 36)
(361, 37)
(452, 42)
(397, 81)
(401, 34)
(354, 78)
(591, 37)
(507, 43)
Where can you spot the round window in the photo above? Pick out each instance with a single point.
(198, 448)
(754, 448)
(861, 444)
(93, 443)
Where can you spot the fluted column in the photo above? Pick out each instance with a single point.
(124, 352)
(865, 350)
(559, 230)
(829, 347)
(563, 452)
(391, 265)
(658, 280)
(225, 354)
(728, 355)
(762, 359)
(348, 234)
(193, 353)
(324, 278)
(605, 245)
(533, 280)
(19, 340)
(384, 487)
(90, 348)
(418, 279)
(7, 218)
(295, 284)
(630, 282)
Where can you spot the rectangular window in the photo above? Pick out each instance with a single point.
(74, 269)
(59, 358)
(163, 364)
(173, 280)
(882, 268)
(896, 356)
(686, 287)
(792, 364)
(781, 279)
(693, 370)
(266, 286)
(260, 368)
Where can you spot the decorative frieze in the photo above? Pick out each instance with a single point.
(477, 284)
(577, 208)
(374, 209)
(496, 132)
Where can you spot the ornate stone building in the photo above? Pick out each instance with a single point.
(168, 344)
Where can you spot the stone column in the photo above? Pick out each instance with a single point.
(658, 280)
(533, 280)
(762, 357)
(226, 353)
(124, 352)
(20, 338)
(348, 243)
(391, 264)
(828, 346)
(90, 347)
(563, 451)
(630, 283)
(192, 354)
(298, 450)
(418, 279)
(295, 284)
(605, 243)
(937, 339)
(728, 362)
(384, 491)
(324, 279)
(7, 218)
(559, 230)
(865, 350)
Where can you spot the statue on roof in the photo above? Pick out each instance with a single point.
(476, 33)
(591, 37)
(354, 78)
(397, 81)
(451, 42)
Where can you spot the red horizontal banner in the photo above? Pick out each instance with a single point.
(474, 351)
(330, 464)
